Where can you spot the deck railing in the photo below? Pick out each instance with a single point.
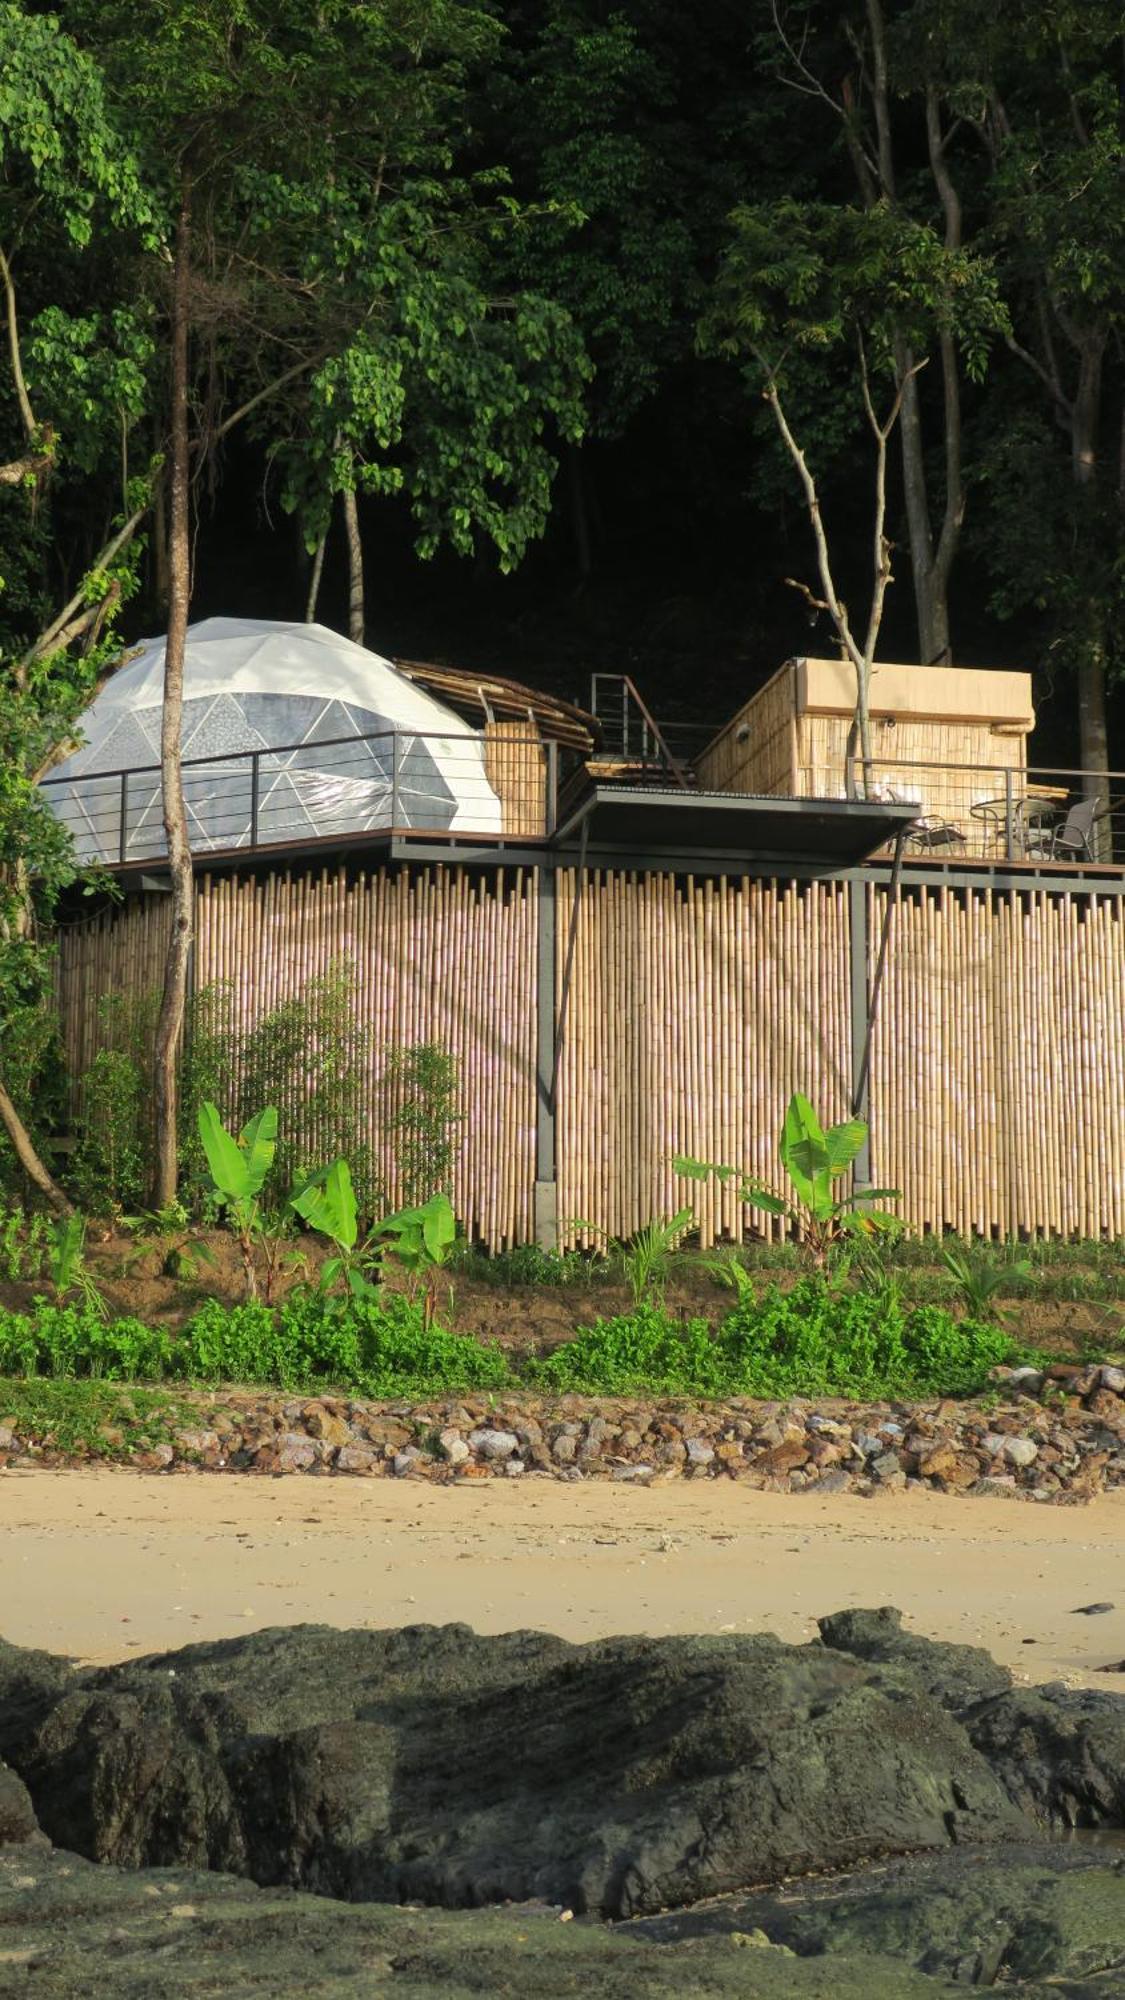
(390, 782)
(996, 812)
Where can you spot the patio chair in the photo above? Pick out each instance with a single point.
(929, 831)
(1072, 837)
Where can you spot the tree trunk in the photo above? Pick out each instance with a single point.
(355, 569)
(170, 1020)
(1093, 726)
(24, 1149)
(314, 580)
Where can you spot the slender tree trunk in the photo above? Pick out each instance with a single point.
(173, 1000)
(1093, 724)
(23, 1147)
(314, 580)
(355, 569)
(160, 542)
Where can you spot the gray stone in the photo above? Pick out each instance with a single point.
(699, 1452)
(7, 1438)
(888, 1470)
(295, 1451)
(454, 1447)
(1020, 1451)
(565, 1448)
(493, 1444)
(405, 1461)
(1113, 1378)
(356, 1458)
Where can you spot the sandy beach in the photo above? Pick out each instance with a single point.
(102, 1563)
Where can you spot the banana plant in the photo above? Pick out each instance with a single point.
(813, 1159)
(238, 1169)
(325, 1200)
(420, 1239)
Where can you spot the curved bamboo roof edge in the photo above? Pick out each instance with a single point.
(495, 697)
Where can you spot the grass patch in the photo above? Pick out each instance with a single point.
(97, 1419)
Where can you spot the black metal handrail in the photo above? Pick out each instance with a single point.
(270, 762)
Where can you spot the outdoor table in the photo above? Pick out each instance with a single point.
(1029, 811)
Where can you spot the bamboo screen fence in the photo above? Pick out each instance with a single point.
(438, 958)
(696, 1006)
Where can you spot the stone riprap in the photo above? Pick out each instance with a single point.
(1055, 1435)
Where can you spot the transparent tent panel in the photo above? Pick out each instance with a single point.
(312, 787)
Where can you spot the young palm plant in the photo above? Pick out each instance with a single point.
(814, 1160)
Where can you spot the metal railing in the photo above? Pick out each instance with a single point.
(993, 812)
(392, 782)
(629, 729)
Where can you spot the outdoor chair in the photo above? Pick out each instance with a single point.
(929, 831)
(1071, 837)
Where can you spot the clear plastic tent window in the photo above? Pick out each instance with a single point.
(344, 743)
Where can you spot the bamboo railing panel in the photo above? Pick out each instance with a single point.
(696, 1008)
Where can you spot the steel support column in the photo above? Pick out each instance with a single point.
(546, 1184)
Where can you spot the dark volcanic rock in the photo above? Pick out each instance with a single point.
(1059, 1752)
(17, 1814)
(1048, 1913)
(69, 1930)
(430, 1764)
(956, 1675)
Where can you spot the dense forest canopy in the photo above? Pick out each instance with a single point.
(451, 213)
(498, 333)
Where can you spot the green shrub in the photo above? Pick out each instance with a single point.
(233, 1344)
(77, 1341)
(817, 1340)
(641, 1351)
(395, 1353)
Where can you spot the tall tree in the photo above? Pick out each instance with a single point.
(329, 289)
(73, 389)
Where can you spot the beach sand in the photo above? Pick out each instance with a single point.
(103, 1564)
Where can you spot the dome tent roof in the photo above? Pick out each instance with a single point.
(345, 743)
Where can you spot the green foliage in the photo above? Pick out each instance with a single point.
(310, 1056)
(24, 1242)
(376, 1346)
(528, 1265)
(109, 1168)
(815, 1340)
(239, 1169)
(66, 1263)
(813, 1159)
(420, 1091)
(96, 1419)
(645, 1351)
(78, 1340)
(980, 1280)
(645, 1258)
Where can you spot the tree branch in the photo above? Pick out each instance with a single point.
(262, 396)
(49, 640)
(27, 414)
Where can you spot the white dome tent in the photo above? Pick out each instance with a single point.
(291, 733)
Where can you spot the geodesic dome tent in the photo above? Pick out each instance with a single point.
(291, 733)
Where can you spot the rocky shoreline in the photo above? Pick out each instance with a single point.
(540, 1807)
(1056, 1435)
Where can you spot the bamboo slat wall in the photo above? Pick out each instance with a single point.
(764, 761)
(997, 1092)
(916, 741)
(696, 1008)
(121, 951)
(438, 957)
(998, 1062)
(515, 763)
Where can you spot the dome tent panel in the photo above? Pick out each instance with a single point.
(345, 743)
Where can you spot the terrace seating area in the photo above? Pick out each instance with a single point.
(416, 755)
